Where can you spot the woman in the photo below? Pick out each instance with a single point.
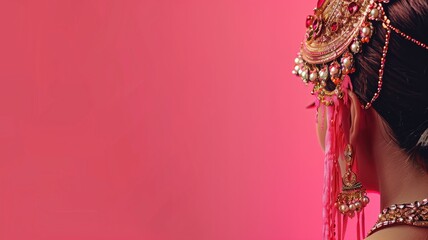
(368, 63)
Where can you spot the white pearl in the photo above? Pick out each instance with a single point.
(333, 70)
(355, 47)
(297, 68)
(297, 60)
(374, 13)
(313, 76)
(358, 206)
(366, 200)
(351, 207)
(343, 208)
(365, 31)
(305, 74)
(346, 62)
(323, 75)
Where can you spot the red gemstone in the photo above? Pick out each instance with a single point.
(334, 26)
(320, 3)
(309, 20)
(353, 7)
(315, 24)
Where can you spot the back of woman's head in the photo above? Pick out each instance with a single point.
(403, 102)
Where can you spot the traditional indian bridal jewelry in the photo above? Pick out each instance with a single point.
(353, 197)
(414, 214)
(335, 32)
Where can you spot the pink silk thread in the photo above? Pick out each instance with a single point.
(334, 145)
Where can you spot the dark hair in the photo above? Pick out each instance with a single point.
(403, 101)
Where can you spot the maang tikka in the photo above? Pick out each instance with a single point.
(353, 197)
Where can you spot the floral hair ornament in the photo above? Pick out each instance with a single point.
(335, 32)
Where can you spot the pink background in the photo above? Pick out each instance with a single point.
(156, 120)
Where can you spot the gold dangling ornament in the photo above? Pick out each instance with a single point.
(353, 197)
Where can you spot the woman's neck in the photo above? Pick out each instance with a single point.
(388, 169)
(399, 179)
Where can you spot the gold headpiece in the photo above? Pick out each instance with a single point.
(334, 33)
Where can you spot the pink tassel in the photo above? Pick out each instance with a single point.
(358, 227)
(339, 227)
(327, 188)
(334, 144)
(331, 168)
(345, 224)
(364, 224)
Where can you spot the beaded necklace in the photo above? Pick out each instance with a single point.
(414, 214)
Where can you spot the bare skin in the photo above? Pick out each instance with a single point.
(382, 166)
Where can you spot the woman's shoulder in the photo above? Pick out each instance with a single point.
(401, 232)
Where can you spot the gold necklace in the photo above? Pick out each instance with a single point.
(414, 214)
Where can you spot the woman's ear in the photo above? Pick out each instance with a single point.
(356, 118)
(363, 126)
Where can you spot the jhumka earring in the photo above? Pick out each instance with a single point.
(353, 197)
